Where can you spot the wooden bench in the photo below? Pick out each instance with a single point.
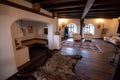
(34, 41)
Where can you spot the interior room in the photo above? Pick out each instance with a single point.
(59, 39)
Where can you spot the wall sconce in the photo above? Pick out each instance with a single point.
(63, 21)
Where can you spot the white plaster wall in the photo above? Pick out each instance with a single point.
(8, 15)
(50, 36)
(25, 25)
(76, 21)
(108, 23)
(22, 2)
(111, 24)
(7, 62)
(114, 26)
(68, 21)
(16, 31)
(39, 31)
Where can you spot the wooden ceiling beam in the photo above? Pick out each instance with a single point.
(104, 14)
(89, 15)
(72, 14)
(74, 3)
(81, 9)
(77, 12)
(104, 10)
(101, 16)
(106, 4)
(106, 7)
(87, 8)
(107, 1)
(78, 17)
(68, 9)
(48, 2)
(112, 12)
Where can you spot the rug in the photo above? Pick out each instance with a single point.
(58, 67)
(92, 46)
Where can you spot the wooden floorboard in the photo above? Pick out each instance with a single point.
(94, 65)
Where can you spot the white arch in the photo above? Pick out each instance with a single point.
(9, 15)
(18, 34)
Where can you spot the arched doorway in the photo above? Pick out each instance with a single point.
(72, 28)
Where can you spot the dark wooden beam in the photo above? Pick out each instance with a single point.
(74, 8)
(118, 10)
(81, 26)
(101, 16)
(106, 1)
(105, 11)
(110, 9)
(89, 16)
(48, 2)
(66, 7)
(87, 8)
(70, 11)
(57, 5)
(74, 17)
(106, 7)
(106, 4)
(71, 14)
(100, 13)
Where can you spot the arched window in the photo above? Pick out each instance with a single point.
(89, 28)
(72, 28)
